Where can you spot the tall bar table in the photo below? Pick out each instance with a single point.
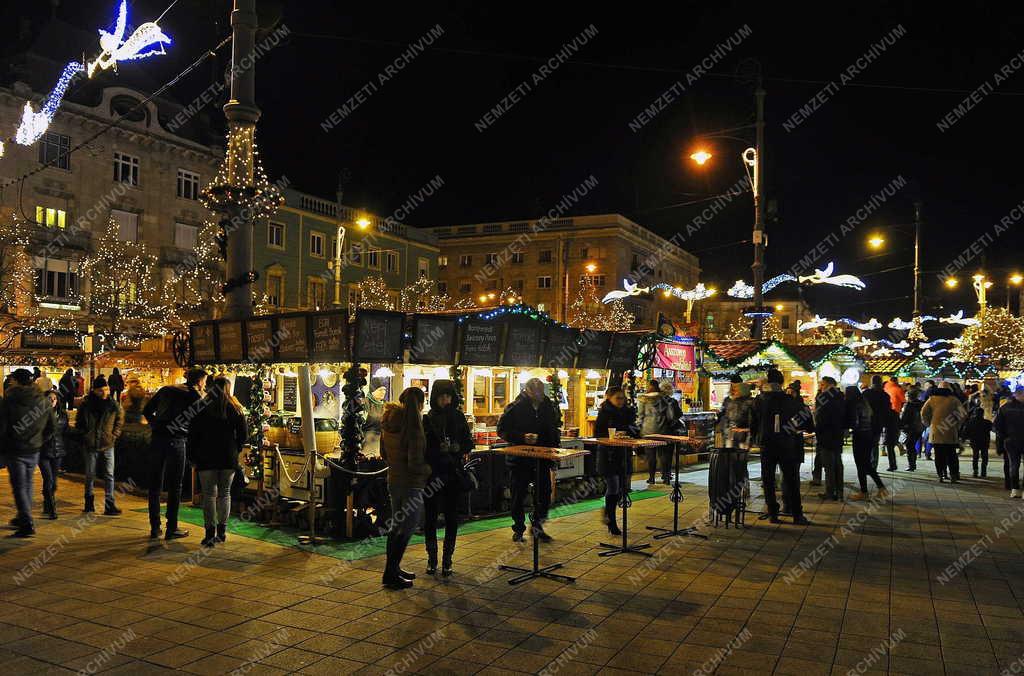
(628, 445)
(676, 496)
(538, 453)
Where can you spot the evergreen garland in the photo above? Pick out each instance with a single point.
(352, 416)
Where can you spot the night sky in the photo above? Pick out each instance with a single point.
(575, 122)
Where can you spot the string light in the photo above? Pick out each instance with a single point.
(739, 329)
(589, 311)
(241, 182)
(998, 338)
(34, 125)
(147, 40)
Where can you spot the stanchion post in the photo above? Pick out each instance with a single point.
(309, 442)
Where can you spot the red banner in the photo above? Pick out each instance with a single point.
(674, 356)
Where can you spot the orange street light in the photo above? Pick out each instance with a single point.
(1016, 278)
(951, 282)
(363, 223)
(590, 267)
(701, 156)
(876, 241)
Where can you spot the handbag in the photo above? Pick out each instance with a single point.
(466, 476)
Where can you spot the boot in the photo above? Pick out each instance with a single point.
(49, 506)
(446, 559)
(222, 532)
(211, 537)
(90, 506)
(432, 557)
(610, 502)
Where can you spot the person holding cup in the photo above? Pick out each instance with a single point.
(614, 420)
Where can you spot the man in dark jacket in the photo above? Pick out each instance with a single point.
(1009, 426)
(25, 421)
(829, 428)
(780, 418)
(910, 423)
(169, 414)
(531, 419)
(881, 411)
(100, 420)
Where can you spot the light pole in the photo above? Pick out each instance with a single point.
(877, 241)
(363, 223)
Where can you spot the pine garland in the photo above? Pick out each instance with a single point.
(352, 415)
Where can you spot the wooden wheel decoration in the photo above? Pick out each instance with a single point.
(181, 350)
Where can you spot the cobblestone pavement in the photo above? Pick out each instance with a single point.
(928, 582)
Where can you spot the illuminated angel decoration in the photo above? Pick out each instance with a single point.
(818, 322)
(147, 40)
(959, 318)
(629, 289)
(869, 325)
(825, 277)
(34, 125)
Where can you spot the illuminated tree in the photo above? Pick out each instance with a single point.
(372, 293)
(739, 329)
(588, 312)
(17, 281)
(823, 335)
(422, 296)
(997, 339)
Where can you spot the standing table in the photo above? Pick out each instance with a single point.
(676, 496)
(539, 453)
(628, 445)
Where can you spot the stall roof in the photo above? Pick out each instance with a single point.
(732, 352)
(812, 356)
(903, 366)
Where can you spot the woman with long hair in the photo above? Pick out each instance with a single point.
(448, 442)
(216, 437)
(613, 414)
(402, 445)
(858, 420)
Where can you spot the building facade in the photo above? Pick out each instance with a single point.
(297, 249)
(545, 263)
(719, 313)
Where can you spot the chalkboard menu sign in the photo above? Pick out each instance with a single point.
(594, 347)
(293, 334)
(229, 342)
(204, 348)
(290, 395)
(378, 336)
(561, 348)
(522, 343)
(259, 340)
(433, 340)
(329, 331)
(624, 351)
(481, 342)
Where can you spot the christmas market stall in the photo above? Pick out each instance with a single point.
(905, 369)
(725, 359)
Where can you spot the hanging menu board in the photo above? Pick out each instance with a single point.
(259, 340)
(290, 394)
(625, 347)
(229, 342)
(293, 334)
(329, 332)
(378, 337)
(522, 343)
(561, 349)
(204, 348)
(594, 347)
(481, 342)
(433, 340)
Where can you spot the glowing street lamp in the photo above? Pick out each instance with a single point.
(590, 267)
(876, 241)
(363, 222)
(701, 156)
(951, 282)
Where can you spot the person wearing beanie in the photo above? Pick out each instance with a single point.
(26, 420)
(780, 419)
(99, 420)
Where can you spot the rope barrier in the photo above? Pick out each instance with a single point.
(284, 467)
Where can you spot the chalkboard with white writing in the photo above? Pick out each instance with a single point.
(293, 334)
(329, 332)
(625, 347)
(204, 347)
(522, 343)
(378, 337)
(290, 394)
(560, 348)
(433, 340)
(481, 342)
(229, 342)
(594, 347)
(259, 340)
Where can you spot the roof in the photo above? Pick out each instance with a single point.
(731, 352)
(811, 356)
(886, 365)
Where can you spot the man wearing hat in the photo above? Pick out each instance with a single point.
(25, 420)
(780, 418)
(100, 420)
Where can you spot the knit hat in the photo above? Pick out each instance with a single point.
(99, 381)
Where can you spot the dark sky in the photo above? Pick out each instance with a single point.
(576, 121)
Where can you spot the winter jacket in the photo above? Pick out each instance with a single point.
(27, 418)
(609, 458)
(779, 419)
(859, 416)
(54, 445)
(100, 421)
(1010, 424)
(170, 411)
(521, 418)
(943, 413)
(881, 408)
(448, 439)
(215, 442)
(737, 412)
(657, 413)
(910, 419)
(977, 430)
(830, 418)
(407, 465)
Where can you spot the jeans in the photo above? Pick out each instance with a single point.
(1011, 463)
(832, 463)
(90, 458)
(49, 468)
(790, 483)
(216, 488)
(819, 465)
(890, 453)
(947, 462)
(22, 469)
(875, 436)
(979, 450)
(167, 455)
(523, 474)
(406, 510)
(912, 442)
(443, 501)
(863, 444)
(653, 455)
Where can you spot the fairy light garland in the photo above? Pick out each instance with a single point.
(253, 195)
(588, 311)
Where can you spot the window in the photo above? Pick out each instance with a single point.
(584, 252)
(56, 280)
(542, 307)
(465, 261)
(784, 321)
(709, 321)
(390, 261)
(543, 282)
(188, 185)
(51, 218)
(422, 267)
(355, 255)
(355, 298)
(544, 256)
(55, 150)
(465, 287)
(491, 259)
(442, 262)
(275, 235)
(126, 169)
(275, 289)
(316, 244)
(315, 289)
(635, 263)
(128, 296)
(518, 257)
(128, 224)
(518, 285)
(185, 235)
(442, 288)
(595, 280)
(373, 260)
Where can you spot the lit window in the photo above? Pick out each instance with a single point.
(188, 185)
(128, 224)
(442, 262)
(316, 244)
(51, 218)
(185, 235)
(126, 168)
(275, 286)
(55, 150)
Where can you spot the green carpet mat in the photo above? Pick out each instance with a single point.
(363, 549)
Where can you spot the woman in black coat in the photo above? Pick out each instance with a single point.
(216, 437)
(448, 442)
(613, 414)
(52, 454)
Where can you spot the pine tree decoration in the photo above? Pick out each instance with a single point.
(258, 418)
(998, 339)
(823, 335)
(422, 296)
(739, 329)
(588, 312)
(372, 293)
(352, 415)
